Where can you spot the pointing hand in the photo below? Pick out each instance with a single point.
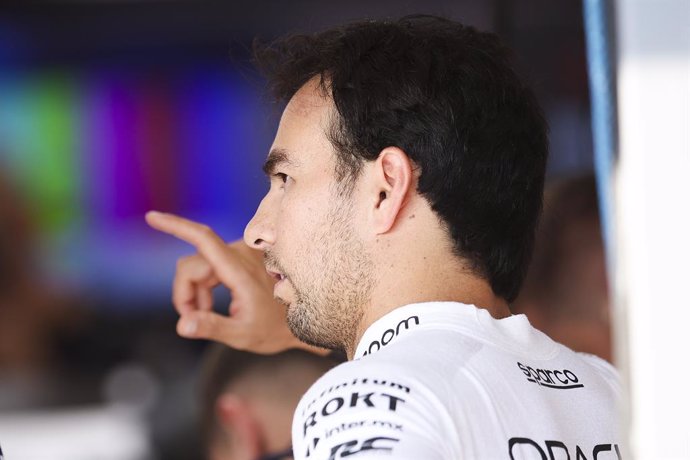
(256, 322)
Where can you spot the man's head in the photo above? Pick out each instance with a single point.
(248, 400)
(386, 114)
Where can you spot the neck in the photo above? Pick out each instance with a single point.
(428, 281)
(415, 262)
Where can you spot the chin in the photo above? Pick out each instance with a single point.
(282, 301)
(295, 319)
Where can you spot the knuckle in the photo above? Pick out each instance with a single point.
(182, 262)
(206, 231)
(191, 267)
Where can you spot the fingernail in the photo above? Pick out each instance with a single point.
(188, 328)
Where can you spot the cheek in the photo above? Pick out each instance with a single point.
(308, 206)
(293, 220)
(302, 218)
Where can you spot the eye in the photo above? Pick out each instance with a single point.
(281, 180)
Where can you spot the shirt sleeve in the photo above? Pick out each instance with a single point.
(366, 415)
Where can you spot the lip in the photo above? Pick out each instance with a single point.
(275, 275)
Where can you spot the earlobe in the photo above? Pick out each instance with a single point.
(394, 179)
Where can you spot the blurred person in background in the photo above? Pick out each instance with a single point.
(248, 401)
(565, 293)
(33, 319)
(51, 367)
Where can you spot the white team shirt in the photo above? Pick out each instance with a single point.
(444, 380)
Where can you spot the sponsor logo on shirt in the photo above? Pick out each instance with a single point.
(559, 379)
(364, 423)
(379, 443)
(355, 399)
(526, 448)
(356, 382)
(389, 334)
(359, 393)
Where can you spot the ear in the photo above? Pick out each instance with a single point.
(393, 178)
(237, 420)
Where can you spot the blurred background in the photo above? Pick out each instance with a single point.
(112, 108)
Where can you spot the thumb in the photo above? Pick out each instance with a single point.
(204, 324)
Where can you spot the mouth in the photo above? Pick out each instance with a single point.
(275, 275)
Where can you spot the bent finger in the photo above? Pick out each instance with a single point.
(204, 297)
(193, 274)
(208, 325)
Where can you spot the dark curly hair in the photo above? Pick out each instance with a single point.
(449, 97)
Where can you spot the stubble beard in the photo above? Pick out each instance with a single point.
(331, 297)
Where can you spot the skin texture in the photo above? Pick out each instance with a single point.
(350, 258)
(305, 226)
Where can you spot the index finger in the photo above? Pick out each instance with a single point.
(202, 237)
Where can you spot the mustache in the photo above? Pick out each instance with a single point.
(272, 263)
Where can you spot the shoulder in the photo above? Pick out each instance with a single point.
(370, 404)
(363, 385)
(604, 369)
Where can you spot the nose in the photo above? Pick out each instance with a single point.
(260, 231)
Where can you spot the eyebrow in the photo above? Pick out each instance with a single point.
(275, 158)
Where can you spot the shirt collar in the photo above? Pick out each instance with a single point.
(404, 321)
(513, 333)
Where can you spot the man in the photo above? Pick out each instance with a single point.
(248, 401)
(406, 182)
